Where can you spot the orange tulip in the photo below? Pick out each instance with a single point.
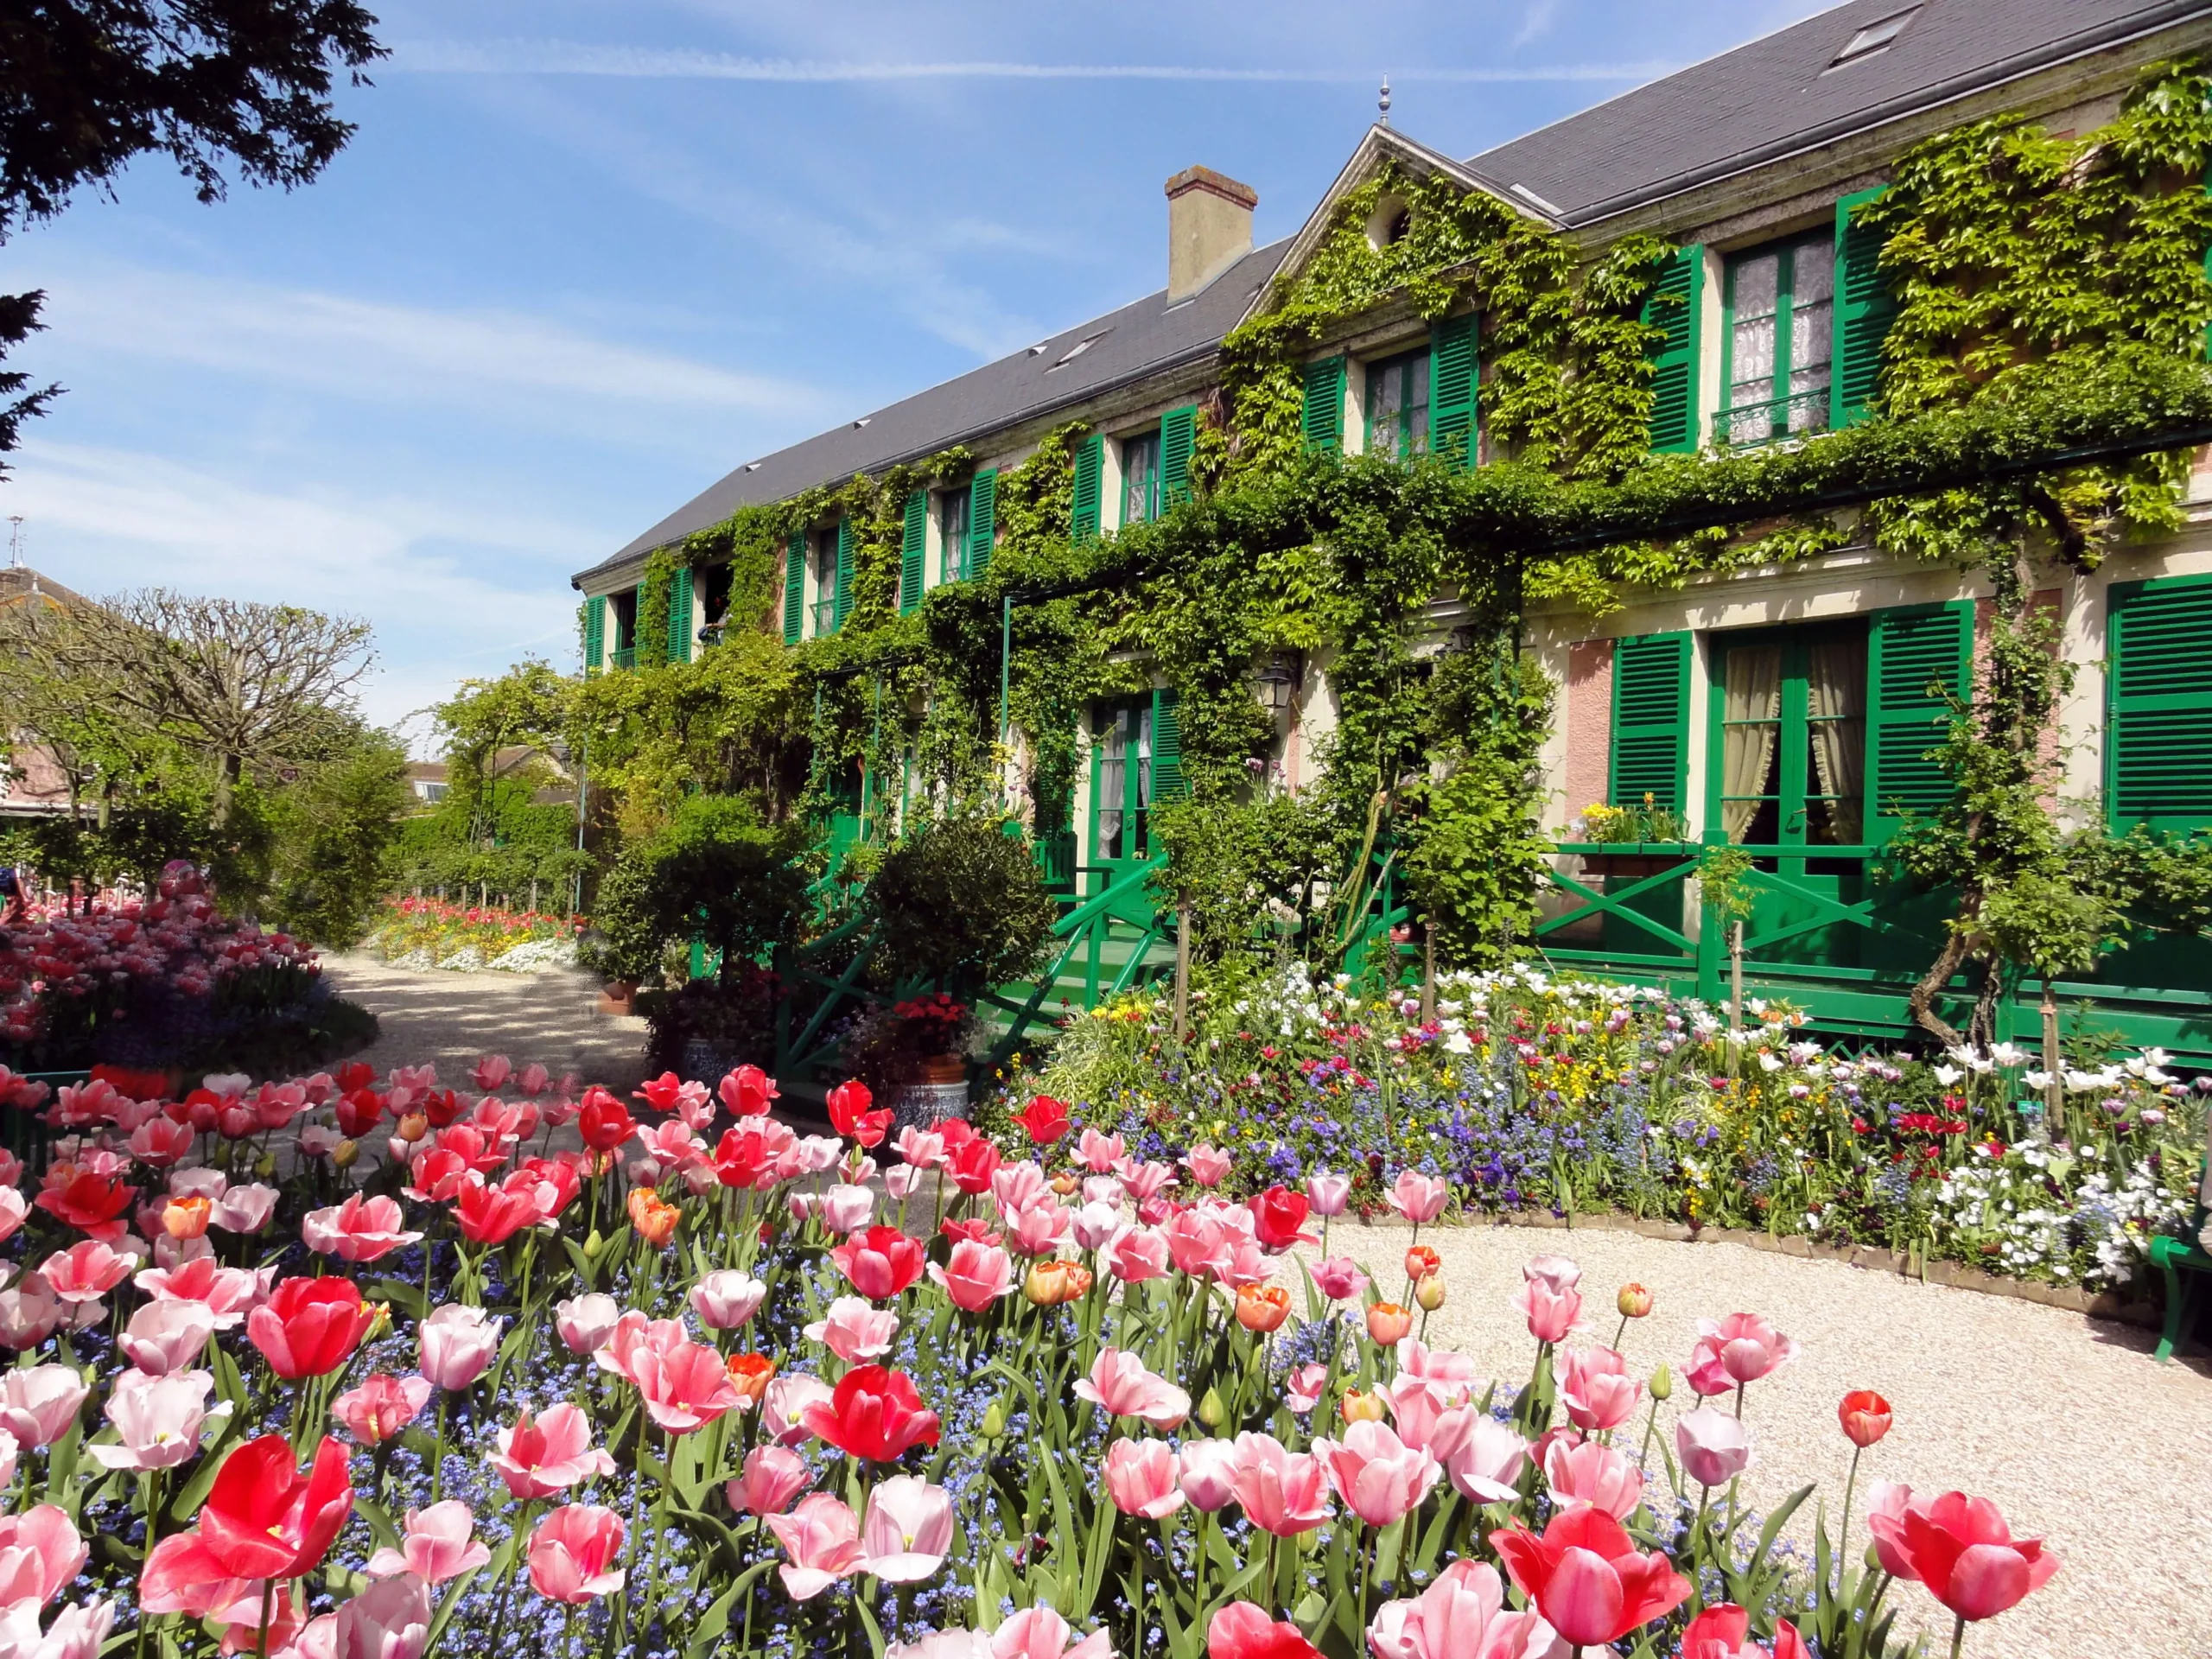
(1358, 1407)
(1421, 1263)
(750, 1374)
(1053, 1281)
(185, 1217)
(653, 1216)
(1261, 1307)
(1388, 1324)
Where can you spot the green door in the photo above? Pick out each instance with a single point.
(1120, 790)
(1786, 778)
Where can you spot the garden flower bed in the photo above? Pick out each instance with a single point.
(345, 1366)
(431, 933)
(1524, 1093)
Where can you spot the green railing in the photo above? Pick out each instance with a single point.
(624, 656)
(1103, 945)
(1828, 933)
(1798, 414)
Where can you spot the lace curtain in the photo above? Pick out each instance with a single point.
(1752, 687)
(1835, 699)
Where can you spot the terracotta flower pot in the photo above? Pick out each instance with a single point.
(619, 997)
(1631, 867)
(945, 1068)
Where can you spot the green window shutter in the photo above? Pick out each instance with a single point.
(1453, 372)
(1179, 433)
(910, 551)
(1167, 783)
(1090, 468)
(844, 605)
(794, 587)
(1323, 420)
(679, 615)
(1677, 305)
(984, 521)
(1651, 721)
(1865, 307)
(2158, 722)
(594, 632)
(1917, 658)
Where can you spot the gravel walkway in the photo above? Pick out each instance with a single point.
(431, 1013)
(2064, 1421)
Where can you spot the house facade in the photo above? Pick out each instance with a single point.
(1788, 707)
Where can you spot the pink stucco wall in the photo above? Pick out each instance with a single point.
(1589, 724)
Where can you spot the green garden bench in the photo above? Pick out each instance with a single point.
(2183, 1259)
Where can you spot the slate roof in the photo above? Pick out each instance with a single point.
(1785, 93)
(1756, 103)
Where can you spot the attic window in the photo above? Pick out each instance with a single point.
(1079, 348)
(1389, 222)
(1874, 37)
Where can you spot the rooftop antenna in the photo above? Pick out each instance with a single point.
(1383, 102)
(15, 540)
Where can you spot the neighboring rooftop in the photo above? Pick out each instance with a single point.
(1844, 71)
(20, 584)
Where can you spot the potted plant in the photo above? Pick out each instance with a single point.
(934, 1029)
(1652, 838)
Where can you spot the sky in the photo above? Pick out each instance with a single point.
(584, 256)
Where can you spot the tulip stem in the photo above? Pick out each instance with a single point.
(1649, 1424)
(1958, 1634)
(1843, 1532)
(269, 1597)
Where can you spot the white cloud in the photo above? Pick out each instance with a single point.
(427, 575)
(1537, 19)
(557, 57)
(374, 348)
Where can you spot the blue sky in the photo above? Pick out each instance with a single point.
(582, 258)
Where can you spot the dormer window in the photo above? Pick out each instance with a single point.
(1389, 222)
(1875, 37)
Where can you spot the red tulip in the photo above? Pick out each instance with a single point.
(1864, 1415)
(1961, 1550)
(971, 1164)
(849, 1115)
(1242, 1630)
(1587, 1577)
(1046, 1119)
(263, 1519)
(604, 1122)
(872, 1412)
(742, 1157)
(88, 1202)
(309, 1327)
(1279, 1219)
(880, 1262)
(1724, 1632)
(747, 1091)
(492, 1215)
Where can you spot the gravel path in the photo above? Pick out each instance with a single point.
(2064, 1421)
(429, 1013)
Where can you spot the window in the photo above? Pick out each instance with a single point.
(1397, 405)
(952, 532)
(1792, 767)
(431, 792)
(1873, 38)
(622, 610)
(1141, 478)
(1781, 306)
(714, 594)
(824, 611)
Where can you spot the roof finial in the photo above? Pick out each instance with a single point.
(1383, 102)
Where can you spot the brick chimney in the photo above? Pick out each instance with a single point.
(1208, 228)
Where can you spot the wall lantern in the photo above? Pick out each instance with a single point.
(1276, 684)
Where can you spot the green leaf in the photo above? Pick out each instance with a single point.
(715, 1620)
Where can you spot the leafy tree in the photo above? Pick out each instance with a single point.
(718, 873)
(334, 829)
(962, 905)
(87, 86)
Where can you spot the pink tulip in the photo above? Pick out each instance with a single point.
(381, 1406)
(360, 1229)
(1711, 1445)
(243, 1209)
(228, 1292)
(1460, 1616)
(684, 1385)
(39, 1404)
(491, 1073)
(908, 1530)
(855, 1330)
(1207, 1473)
(1040, 1633)
(1552, 1316)
(1016, 1187)
(158, 1419)
(574, 1552)
(1556, 1273)
(1282, 1491)
(165, 1337)
(40, 1554)
(1097, 1225)
(1145, 1181)
(1339, 1279)
(783, 1407)
(82, 1633)
(1592, 1474)
(1120, 1385)
(1142, 1479)
(1328, 1194)
(920, 1148)
(1488, 1463)
(822, 1538)
(550, 1454)
(160, 1142)
(976, 1275)
(847, 1209)
(1208, 1165)
(1099, 1152)
(1379, 1477)
(586, 1322)
(1418, 1406)
(456, 1344)
(1740, 1348)
(1417, 1358)
(1890, 1498)
(1597, 1391)
(1302, 1388)
(439, 1543)
(1419, 1198)
(87, 1271)
(1243, 1629)
(1039, 1228)
(726, 1299)
(773, 1477)
(1961, 1550)
(13, 1207)
(1137, 1254)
